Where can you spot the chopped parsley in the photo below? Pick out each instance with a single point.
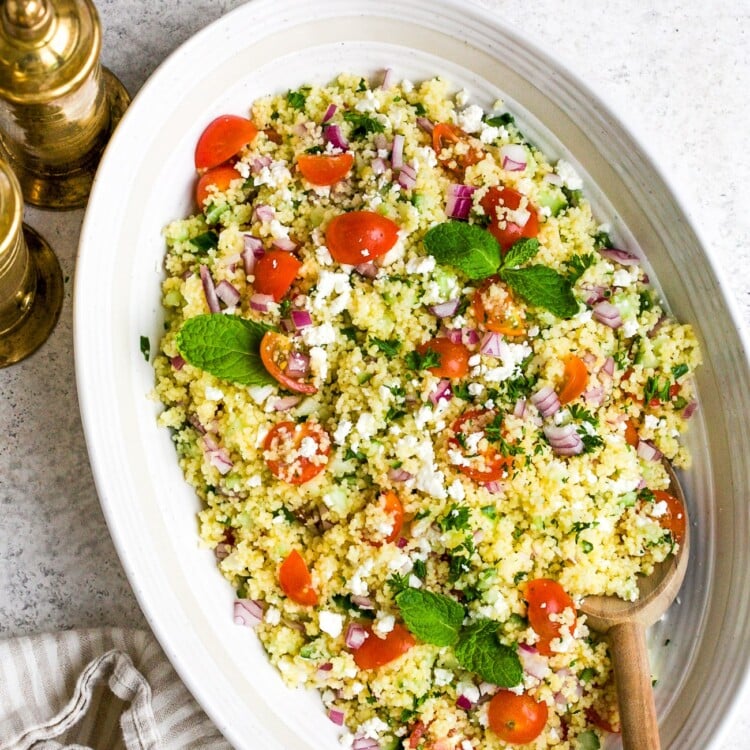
(389, 347)
(679, 370)
(283, 512)
(457, 518)
(351, 455)
(656, 388)
(297, 99)
(145, 347)
(497, 121)
(602, 240)
(362, 124)
(416, 361)
(205, 242)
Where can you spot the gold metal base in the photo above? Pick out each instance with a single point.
(36, 326)
(72, 190)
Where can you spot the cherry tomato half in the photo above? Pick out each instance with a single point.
(295, 453)
(392, 506)
(487, 464)
(495, 308)
(454, 358)
(222, 139)
(674, 519)
(360, 236)
(275, 273)
(497, 202)
(375, 652)
(546, 597)
(516, 719)
(575, 379)
(295, 580)
(220, 177)
(455, 149)
(274, 353)
(325, 169)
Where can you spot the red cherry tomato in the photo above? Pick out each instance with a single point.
(488, 464)
(220, 177)
(325, 169)
(496, 202)
(575, 379)
(222, 139)
(675, 519)
(375, 652)
(283, 451)
(360, 236)
(516, 719)
(295, 580)
(501, 314)
(275, 273)
(274, 353)
(392, 506)
(454, 358)
(546, 597)
(455, 149)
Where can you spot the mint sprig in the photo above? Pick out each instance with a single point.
(226, 346)
(431, 617)
(475, 251)
(438, 619)
(479, 650)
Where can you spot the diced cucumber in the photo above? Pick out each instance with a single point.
(588, 740)
(553, 198)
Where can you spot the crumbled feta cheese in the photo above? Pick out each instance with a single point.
(621, 277)
(372, 728)
(659, 509)
(213, 394)
(470, 119)
(456, 490)
(421, 266)
(415, 582)
(630, 327)
(272, 616)
(442, 676)
(474, 360)
(254, 481)
(468, 689)
(340, 433)
(476, 389)
(383, 624)
(462, 98)
(367, 425)
(319, 362)
(308, 447)
(320, 335)
(357, 586)
(330, 622)
(259, 393)
(278, 230)
(650, 422)
(568, 174)
(489, 134)
(431, 481)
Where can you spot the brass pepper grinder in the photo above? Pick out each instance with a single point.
(31, 283)
(58, 105)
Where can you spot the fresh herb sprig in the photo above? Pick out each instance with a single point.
(438, 619)
(476, 252)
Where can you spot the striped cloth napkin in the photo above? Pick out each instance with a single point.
(102, 689)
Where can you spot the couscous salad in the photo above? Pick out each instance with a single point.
(425, 402)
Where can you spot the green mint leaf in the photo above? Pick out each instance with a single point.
(433, 618)
(542, 287)
(521, 251)
(479, 650)
(467, 247)
(227, 346)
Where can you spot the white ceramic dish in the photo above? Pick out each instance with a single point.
(146, 179)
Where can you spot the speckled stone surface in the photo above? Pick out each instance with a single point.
(677, 72)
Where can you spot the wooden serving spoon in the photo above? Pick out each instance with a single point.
(625, 624)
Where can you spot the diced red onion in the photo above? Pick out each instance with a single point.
(332, 134)
(368, 270)
(231, 261)
(445, 309)
(594, 395)
(589, 358)
(520, 408)
(453, 334)
(227, 293)
(260, 302)
(648, 451)
(365, 743)
(264, 213)
(286, 325)
(402, 542)
(363, 602)
(463, 702)
(254, 245)
(442, 391)
(221, 461)
(528, 648)
(258, 163)
(389, 78)
(177, 362)
(301, 319)
(490, 345)
(470, 337)
(285, 403)
(494, 487)
(193, 419)
(397, 154)
(356, 635)
(458, 201)
(546, 400)
(425, 124)
(336, 716)
(513, 157)
(327, 667)
(622, 257)
(609, 366)
(533, 662)
(297, 365)
(565, 441)
(407, 177)
(399, 475)
(330, 112)
(285, 244)
(209, 290)
(689, 410)
(608, 314)
(248, 261)
(593, 294)
(378, 166)
(248, 612)
(553, 179)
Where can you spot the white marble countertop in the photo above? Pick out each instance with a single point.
(678, 73)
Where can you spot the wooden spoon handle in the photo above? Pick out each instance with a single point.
(635, 696)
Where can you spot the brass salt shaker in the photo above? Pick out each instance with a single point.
(58, 105)
(31, 282)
